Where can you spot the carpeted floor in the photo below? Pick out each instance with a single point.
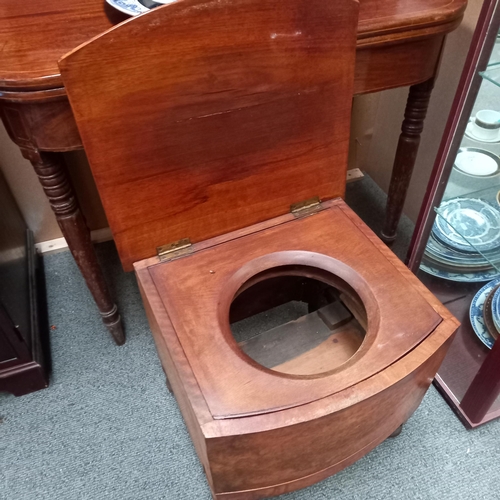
(107, 428)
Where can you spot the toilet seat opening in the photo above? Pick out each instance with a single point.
(298, 320)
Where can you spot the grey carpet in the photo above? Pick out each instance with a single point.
(107, 428)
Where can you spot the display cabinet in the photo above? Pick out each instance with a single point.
(456, 245)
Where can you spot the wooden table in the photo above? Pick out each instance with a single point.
(399, 44)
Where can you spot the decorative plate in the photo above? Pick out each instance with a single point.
(488, 316)
(438, 251)
(130, 7)
(468, 224)
(454, 268)
(469, 132)
(495, 309)
(477, 162)
(476, 314)
(469, 277)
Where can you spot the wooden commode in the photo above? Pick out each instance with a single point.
(217, 133)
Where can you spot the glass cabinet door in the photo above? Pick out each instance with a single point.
(456, 247)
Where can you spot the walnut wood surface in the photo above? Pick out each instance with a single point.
(40, 120)
(398, 44)
(239, 454)
(332, 246)
(246, 466)
(34, 35)
(240, 112)
(43, 119)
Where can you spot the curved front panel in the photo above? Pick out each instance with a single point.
(268, 463)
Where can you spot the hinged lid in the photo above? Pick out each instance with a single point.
(215, 118)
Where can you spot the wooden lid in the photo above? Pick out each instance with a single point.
(199, 118)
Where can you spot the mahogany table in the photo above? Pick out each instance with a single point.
(399, 44)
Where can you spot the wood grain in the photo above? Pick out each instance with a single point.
(239, 454)
(247, 467)
(228, 115)
(34, 35)
(326, 246)
(238, 113)
(317, 342)
(40, 120)
(43, 119)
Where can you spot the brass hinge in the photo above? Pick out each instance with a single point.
(306, 207)
(174, 250)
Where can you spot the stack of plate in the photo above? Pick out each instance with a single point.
(450, 256)
(485, 313)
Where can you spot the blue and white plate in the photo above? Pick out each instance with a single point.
(130, 7)
(440, 252)
(469, 277)
(476, 313)
(468, 225)
(135, 7)
(495, 309)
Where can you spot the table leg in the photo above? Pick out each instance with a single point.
(51, 172)
(406, 154)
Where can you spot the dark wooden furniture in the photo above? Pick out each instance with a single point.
(22, 364)
(221, 143)
(398, 43)
(469, 377)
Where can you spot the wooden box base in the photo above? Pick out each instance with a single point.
(255, 451)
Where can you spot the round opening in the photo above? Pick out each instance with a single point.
(298, 320)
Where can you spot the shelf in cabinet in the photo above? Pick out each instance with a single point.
(492, 73)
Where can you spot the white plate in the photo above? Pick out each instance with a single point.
(455, 258)
(470, 134)
(471, 161)
(130, 7)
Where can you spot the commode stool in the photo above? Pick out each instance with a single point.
(217, 132)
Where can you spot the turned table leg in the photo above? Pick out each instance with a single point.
(52, 174)
(406, 154)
